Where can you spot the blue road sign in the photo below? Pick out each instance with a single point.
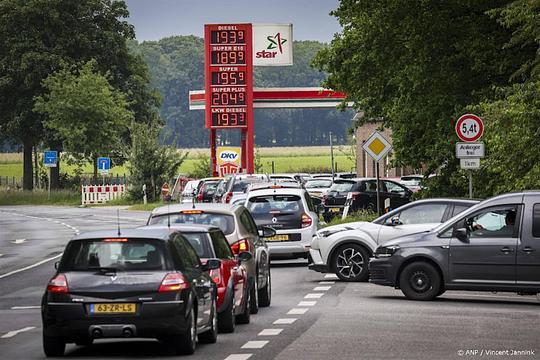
(104, 164)
(50, 158)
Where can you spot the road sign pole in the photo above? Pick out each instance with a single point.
(49, 185)
(470, 185)
(378, 192)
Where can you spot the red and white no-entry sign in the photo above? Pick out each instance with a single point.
(469, 128)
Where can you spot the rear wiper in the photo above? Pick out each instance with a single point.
(104, 269)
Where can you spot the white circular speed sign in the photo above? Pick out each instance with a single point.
(469, 128)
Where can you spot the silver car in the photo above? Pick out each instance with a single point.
(241, 232)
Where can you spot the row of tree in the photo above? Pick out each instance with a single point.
(420, 65)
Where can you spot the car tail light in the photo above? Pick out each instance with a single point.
(215, 275)
(306, 220)
(228, 197)
(58, 284)
(240, 246)
(173, 282)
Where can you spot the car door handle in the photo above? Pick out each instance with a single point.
(527, 249)
(507, 250)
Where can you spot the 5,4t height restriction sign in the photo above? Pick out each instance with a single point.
(469, 128)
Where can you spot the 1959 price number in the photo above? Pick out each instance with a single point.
(229, 119)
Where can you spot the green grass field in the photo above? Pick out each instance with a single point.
(286, 159)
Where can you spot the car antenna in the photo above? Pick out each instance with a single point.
(118, 220)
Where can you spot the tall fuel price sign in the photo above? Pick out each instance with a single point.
(229, 86)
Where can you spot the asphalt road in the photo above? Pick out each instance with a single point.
(312, 316)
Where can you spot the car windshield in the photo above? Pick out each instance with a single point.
(223, 221)
(319, 183)
(275, 204)
(342, 186)
(112, 254)
(200, 243)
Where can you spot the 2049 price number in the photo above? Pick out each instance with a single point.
(228, 37)
(224, 57)
(227, 99)
(229, 119)
(229, 78)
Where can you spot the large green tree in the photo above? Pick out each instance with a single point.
(418, 65)
(40, 35)
(85, 111)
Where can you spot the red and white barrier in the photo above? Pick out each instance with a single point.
(100, 194)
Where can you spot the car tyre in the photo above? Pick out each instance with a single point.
(265, 294)
(53, 346)
(226, 319)
(350, 263)
(254, 298)
(210, 336)
(245, 316)
(187, 342)
(420, 281)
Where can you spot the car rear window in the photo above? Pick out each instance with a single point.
(312, 184)
(275, 204)
(342, 186)
(242, 185)
(199, 242)
(114, 254)
(223, 221)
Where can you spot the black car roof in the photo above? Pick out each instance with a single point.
(162, 233)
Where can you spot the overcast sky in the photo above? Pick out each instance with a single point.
(156, 19)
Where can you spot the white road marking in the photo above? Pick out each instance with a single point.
(19, 241)
(314, 296)
(30, 266)
(255, 344)
(297, 311)
(331, 276)
(25, 307)
(284, 321)
(307, 303)
(15, 332)
(270, 332)
(326, 282)
(238, 357)
(1, 255)
(321, 288)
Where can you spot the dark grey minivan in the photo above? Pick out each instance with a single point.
(493, 246)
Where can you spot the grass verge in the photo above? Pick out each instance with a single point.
(40, 197)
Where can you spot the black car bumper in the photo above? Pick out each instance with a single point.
(382, 271)
(151, 320)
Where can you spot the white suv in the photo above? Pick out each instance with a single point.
(290, 212)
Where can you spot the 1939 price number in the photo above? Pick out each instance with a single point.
(229, 119)
(228, 37)
(226, 57)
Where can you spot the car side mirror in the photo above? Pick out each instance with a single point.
(212, 264)
(266, 232)
(461, 234)
(244, 256)
(56, 265)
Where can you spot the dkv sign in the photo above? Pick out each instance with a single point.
(272, 44)
(228, 160)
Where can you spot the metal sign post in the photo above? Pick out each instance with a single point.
(50, 159)
(378, 190)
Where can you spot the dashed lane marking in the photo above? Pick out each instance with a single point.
(15, 332)
(307, 303)
(330, 276)
(321, 288)
(314, 296)
(270, 332)
(1, 255)
(284, 321)
(297, 311)
(19, 241)
(25, 307)
(257, 344)
(238, 357)
(327, 282)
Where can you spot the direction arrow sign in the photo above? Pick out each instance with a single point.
(469, 128)
(104, 165)
(470, 150)
(377, 146)
(50, 158)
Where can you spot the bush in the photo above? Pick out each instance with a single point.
(361, 215)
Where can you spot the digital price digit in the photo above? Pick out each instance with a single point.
(229, 78)
(228, 99)
(228, 119)
(229, 57)
(228, 37)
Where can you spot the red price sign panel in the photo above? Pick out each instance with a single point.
(469, 128)
(229, 76)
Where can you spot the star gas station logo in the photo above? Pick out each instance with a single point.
(275, 42)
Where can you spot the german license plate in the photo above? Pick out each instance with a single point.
(278, 238)
(335, 210)
(118, 308)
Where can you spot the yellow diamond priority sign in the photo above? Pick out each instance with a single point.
(377, 146)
